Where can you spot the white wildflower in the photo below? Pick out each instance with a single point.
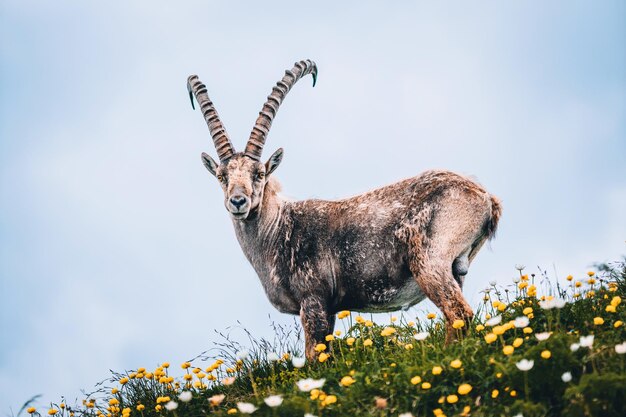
(492, 283)
(520, 267)
(246, 408)
(516, 280)
(586, 341)
(171, 406)
(553, 303)
(525, 365)
(274, 400)
(521, 322)
(216, 399)
(405, 415)
(421, 336)
(273, 357)
(566, 377)
(542, 336)
(185, 396)
(309, 415)
(298, 362)
(242, 355)
(229, 380)
(574, 347)
(308, 384)
(494, 321)
(621, 348)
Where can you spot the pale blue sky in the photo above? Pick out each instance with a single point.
(115, 249)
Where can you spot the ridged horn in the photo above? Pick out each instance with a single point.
(261, 128)
(220, 138)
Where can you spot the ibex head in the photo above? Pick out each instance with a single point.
(242, 175)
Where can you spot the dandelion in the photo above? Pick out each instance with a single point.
(518, 342)
(368, 342)
(323, 357)
(273, 357)
(456, 364)
(527, 311)
(171, 406)
(141, 407)
(521, 322)
(452, 398)
(124, 380)
(431, 316)
(615, 301)
(185, 396)
(343, 314)
(437, 370)
(591, 273)
(298, 362)
(320, 347)
(566, 377)
(31, 410)
(242, 355)
(480, 328)
(493, 321)
(246, 408)
(426, 385)
(350, 341)
(216, 400)
(346, 381)
(387, 331)
(618, 323)
(330, 399)
(306, 385)
(52, 411)
(114, 401)
(621, 348)
(542, 336)
(185, 365)
(508, 350)
(329, 338)
(586, 341)
(525, 365)
(490, 338)
(273, 400)
(457, 324)
(464, 389)
(598, 321)
(416, 380)
(546, 354)
(495, 393)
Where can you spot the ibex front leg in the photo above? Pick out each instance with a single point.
(317, 322)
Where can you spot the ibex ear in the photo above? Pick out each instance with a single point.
(209, 163)
(274, 161)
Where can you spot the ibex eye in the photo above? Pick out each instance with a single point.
(261, 175)
(220, 178)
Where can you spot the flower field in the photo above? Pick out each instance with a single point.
(535, 348)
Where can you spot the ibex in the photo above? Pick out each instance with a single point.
(380, 251)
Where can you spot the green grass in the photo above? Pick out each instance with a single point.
(389, 376)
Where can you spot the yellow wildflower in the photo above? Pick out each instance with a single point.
(368, 342)
(113, 401)
(615, 301)
(617, 324)
(598, 321)
(343, 314)
(185, 365)
(165, 365)
(346, 381)
(456, 364)
(490, 338)
(522, 285)
(569, 277)
(315, 393)
(232, 411)
(387, 331)
(610, 309)
(52, 411)
(495, 393)
(464, 389)
(416, 380)
(337, 333)
(323, 357)
(393, 319)
(458, 324)
(359, 319)
(591, 273)
(31, 410)
(437, 370)
(480, 327)
(320, 347)
(368, 323)
(527, 330)
(518, 342)
(527, 310)
(578, 284)
(141, 407)
(508, 350)
(452, 398)
(114, 391)
(426, 385)
(513, 393)
(408, 346)
(546, 354)
(329, 338)
(431, 316)
(499, 330)
(330, 399)
(350, 341)
(411, 323)
(123, 380)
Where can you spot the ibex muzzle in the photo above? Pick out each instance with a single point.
(380, 251)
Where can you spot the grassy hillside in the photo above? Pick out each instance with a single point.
(536, 348)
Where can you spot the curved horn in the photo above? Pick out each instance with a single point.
(261, 128)
(220, 138)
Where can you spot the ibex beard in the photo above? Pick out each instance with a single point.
(380, 251)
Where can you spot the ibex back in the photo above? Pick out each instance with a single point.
(380, 251)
